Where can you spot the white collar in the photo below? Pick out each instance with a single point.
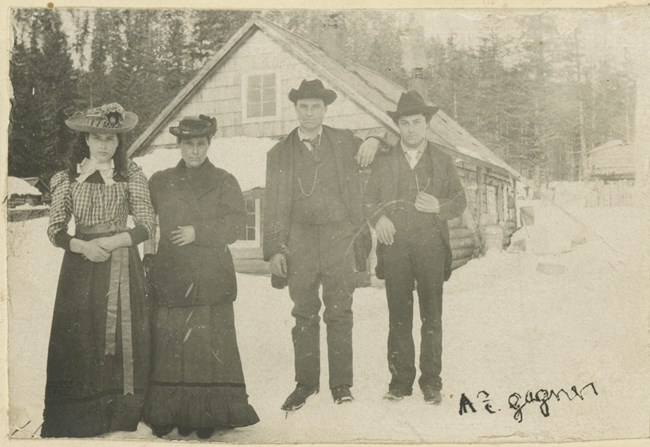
(88, 167)
(304, 136)
(420, 148)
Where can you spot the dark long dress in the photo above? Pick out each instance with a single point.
(197, 378)
(96, 379)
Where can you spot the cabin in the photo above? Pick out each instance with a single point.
(28, 198)
(23, 192)
(43, 187)
(612, 171)
(613, 160)
(246, 86)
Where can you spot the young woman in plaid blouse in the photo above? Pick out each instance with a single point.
(99, 350)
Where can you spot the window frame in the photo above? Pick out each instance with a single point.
(254, 243)
(244, 97)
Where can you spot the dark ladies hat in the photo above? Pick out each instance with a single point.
(195, 126)
(109, 118)
(412, 103)
(312, 89)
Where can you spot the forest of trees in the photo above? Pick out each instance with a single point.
(535, 99)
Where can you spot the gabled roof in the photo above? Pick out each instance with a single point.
(611, 144)
(36, 182)
(18, 186)
(614, 158)
(369, 90)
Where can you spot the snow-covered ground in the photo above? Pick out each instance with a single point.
(508, 328)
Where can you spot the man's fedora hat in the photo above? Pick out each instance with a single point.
(312, 89)
(195, 126)
(108, 118)
(412, 103)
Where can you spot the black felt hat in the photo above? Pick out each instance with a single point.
(312, 89)
(412, 103)
(195, 126)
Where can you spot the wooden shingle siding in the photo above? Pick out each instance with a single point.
(221, 95)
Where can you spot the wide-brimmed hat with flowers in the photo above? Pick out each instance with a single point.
(108, 118)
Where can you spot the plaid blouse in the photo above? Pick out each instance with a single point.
(98, 203)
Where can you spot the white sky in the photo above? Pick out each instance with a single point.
(602, 33)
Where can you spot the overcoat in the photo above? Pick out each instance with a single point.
(278, 193)
(202, 272)
(382, 190)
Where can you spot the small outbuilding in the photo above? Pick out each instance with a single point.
(613, 160)
(42, 186)
(612, 172)
(22, 192)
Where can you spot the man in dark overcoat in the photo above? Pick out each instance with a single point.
(313, 215)
(412, 192)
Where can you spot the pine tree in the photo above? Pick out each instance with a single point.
(211, 29)
(23, 129)
(44, 88)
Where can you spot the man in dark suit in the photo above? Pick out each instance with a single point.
(412, 191)
(313, 226)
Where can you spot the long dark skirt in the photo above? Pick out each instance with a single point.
(197, 378)
(84, 394)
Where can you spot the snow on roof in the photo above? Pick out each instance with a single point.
(243, 157)
(21, 187)
(608, 145)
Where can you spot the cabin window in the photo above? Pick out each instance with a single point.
(249, 235)
(259, 97)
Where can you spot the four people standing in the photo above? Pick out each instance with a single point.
(315, 234)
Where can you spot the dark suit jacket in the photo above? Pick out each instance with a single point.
(279, 178)
(201, 272)
(382, 189)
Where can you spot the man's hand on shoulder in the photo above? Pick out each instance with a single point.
(367, 152)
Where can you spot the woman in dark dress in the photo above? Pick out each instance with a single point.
(197, 380)
(99, 349)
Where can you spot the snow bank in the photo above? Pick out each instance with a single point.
(243, 157)
(21, 187)
(27, 206)
(507, 328)
(554, 231)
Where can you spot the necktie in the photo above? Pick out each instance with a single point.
(314, 145)
(413, 158)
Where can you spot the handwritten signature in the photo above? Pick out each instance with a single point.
(518, 402)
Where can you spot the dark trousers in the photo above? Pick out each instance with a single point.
(414, 257)
(322, 255)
